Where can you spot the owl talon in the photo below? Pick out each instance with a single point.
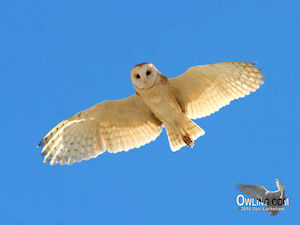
(189, 142)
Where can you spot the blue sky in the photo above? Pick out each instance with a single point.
(60, 57)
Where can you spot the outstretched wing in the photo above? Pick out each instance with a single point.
(280, 188)
(203, 90)
(117, 126)
(256, 191)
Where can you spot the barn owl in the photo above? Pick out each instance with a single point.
(159, 102)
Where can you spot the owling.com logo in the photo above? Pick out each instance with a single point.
(263, 199)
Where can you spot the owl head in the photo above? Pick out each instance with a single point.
(144, 76)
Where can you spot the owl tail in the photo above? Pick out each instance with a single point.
(183, 133)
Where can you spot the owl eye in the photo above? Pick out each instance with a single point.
(138, 76)
(148, 73)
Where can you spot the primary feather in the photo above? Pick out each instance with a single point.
(113, 125)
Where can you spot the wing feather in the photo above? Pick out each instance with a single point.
(256, 191)
(279, 184)
(203, 90)
(114, 126)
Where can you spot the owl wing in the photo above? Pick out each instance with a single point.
(117, 126)
(280, 188)
(256, 191)
(203, 90)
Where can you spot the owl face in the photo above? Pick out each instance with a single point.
(144, 76)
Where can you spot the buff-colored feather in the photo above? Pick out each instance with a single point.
(203, 90)
(113, 125)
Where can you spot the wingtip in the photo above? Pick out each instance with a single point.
(42, 143)
(277, 180)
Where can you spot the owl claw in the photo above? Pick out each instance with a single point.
(189, 142)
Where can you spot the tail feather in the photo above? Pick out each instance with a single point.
(183, 134)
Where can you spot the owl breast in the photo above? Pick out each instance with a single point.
(162, 102)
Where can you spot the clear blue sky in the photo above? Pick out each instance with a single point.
(60, 57)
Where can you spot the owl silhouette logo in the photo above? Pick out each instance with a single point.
(272, 200)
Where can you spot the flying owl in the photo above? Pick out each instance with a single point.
(159, 102)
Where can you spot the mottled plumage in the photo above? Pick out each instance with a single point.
(128, 123)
